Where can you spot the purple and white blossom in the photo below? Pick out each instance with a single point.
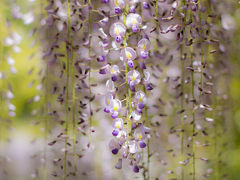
(114, 146)
(139, 136)
(108, 100)
(110, 86)
(146, 78)
(117, 31)
(129, 54)
(133, 78)
(117, 125)
(134, 21)
(118, 5)
(144, 46)
(140, 99)
(129, 134)
(114, 71)
(115, 108)
(122, 137)
(136, 116)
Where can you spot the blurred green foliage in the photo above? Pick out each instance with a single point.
(24, 84)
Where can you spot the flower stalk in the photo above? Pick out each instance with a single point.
(73, 100)
(201, 44)
(193, 116)
(89, 65)
(128, 93)
(69, 55)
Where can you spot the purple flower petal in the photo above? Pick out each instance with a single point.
(118, 39)
(141, 105)
(149, 87)
(142, 144)
(144, 54)
(135, 168)
(115, 151)
(145, 5)
(134, 125)
(118, 10)
(132, 9)
(135, 29)
(130, 64)
(119, 164)
(115, 132)
(143, 65)
(132, 86)
(102, 58)
(114, 78)
(106, 110)
(114, 115)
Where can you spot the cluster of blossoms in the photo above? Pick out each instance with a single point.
(129, 130)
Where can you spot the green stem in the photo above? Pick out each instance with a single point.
(193, 114)
(214, 116)
(216, 153)
(182, 116)
(43, 15)
(89, 64)
(73, 102)
(67, 88)
(45, 124)
(74, 121)
(1, 85)
(201, 44)
(182, 96)
(148, 140)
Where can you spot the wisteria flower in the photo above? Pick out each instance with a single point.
(122, 137)
(102, 70)
(133, 78)
(138, 157)
(117, 31)
(134, 21)
(118, 5)
(103, 50)
(132, 147)
(110, 86)
(140, 99)
(114, 146)
(133, 5)
(114, 71)
(119, 164)
(146, 78)
(145, 5)
(132, 9)
(115, 108)
(139, 136)
(108, 100)
(117, 125)
(129, 54)
(135, 168)
(144, 46)
(135, 116)
(102, 57)
(104, 21)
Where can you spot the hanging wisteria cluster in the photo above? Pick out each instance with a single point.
(130, 130)
(125, 89)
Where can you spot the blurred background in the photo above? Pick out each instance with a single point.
(23, 95)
